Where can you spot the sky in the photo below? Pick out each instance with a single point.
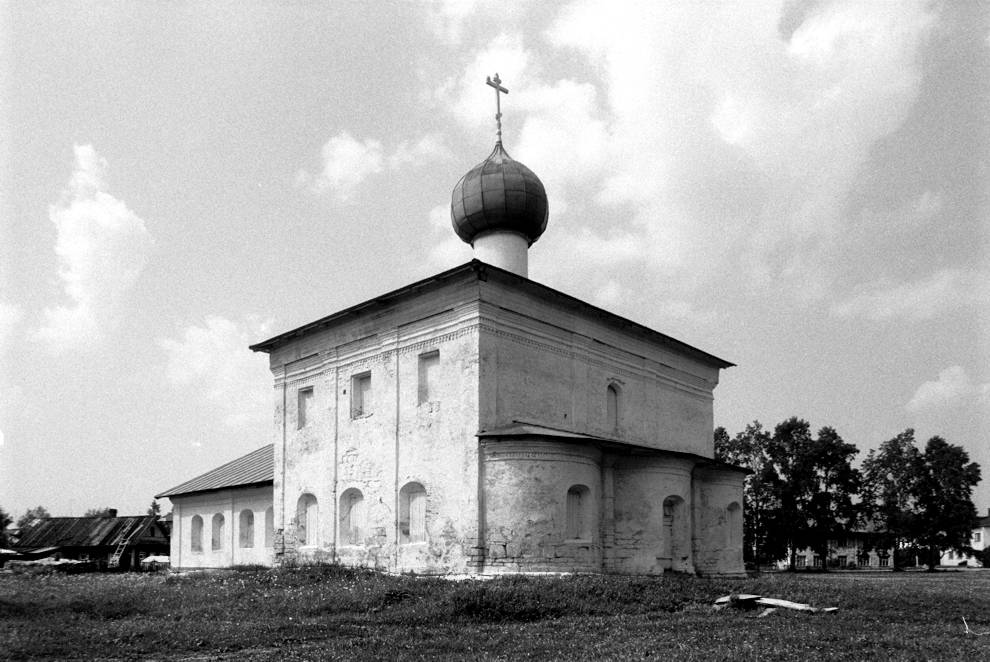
(800, 188)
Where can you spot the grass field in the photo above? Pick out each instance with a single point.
(335, 613)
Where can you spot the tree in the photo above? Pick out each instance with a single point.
(5, 521)
(38, 512)
(945, 511)
(722, 442)
(99, 512)
(983, 556)
(155, 508)
(809, 486)
(829, 507)
(890, 483)
(789, 477)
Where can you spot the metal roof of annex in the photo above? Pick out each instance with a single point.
(255, 468)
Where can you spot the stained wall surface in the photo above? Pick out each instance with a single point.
(394, 405)
(717, 543)
(526, 527)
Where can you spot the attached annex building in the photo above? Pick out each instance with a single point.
(225, 517)
(480, 422)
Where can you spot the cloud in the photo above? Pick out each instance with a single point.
(470, 101)
(738, 151)
(346, 163)
(953, 387)
(446, 250)
(214, 360)
(446, 18)
(451, 20)
(102, 247)
(428, 148)
(10, 317)
(919, 300)
(349, 162)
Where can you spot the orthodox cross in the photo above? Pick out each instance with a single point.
(497, 84)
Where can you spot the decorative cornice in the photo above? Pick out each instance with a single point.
(540, 450)
(373, 353)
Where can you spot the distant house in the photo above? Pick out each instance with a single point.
(978, 541)
(225, 516)
(852, 551)
(108, 541)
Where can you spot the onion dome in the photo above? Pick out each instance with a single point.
(499, 195)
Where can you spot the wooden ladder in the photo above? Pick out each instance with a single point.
(125, 541)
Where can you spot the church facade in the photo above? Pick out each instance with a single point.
(478, 422)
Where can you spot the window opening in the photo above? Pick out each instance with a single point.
(578, 513)
(196, 537)
(245, 526)
(734, 524)
(673, 536)
(429, 376)
(351, 517)
(307, 528)
(361, 395)
(612, 406)
(305, 407)
(216, 539)
(412, 513)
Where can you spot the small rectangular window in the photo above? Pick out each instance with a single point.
(361, 395)
(429, 376)
(305, 406)
(800, 561)
(977, 536)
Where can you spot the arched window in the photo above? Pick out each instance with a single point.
(216, 540)
(672, 536)
(269, 526)
(578, 513)
(734, 525)
(351, 515)
(245, 528)
(307, 528)
(612, 407)
(412, 513)
(196, 534)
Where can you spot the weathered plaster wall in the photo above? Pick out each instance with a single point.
(228, 503)
(400, 436)
(718, 533)
(525, 506)
(547, 365)
(641, 542)
(505, 355)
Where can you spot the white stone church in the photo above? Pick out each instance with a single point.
(478, 422)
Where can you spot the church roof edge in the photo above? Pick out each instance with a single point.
(482, 271)
(275, 341)
(255, 468)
